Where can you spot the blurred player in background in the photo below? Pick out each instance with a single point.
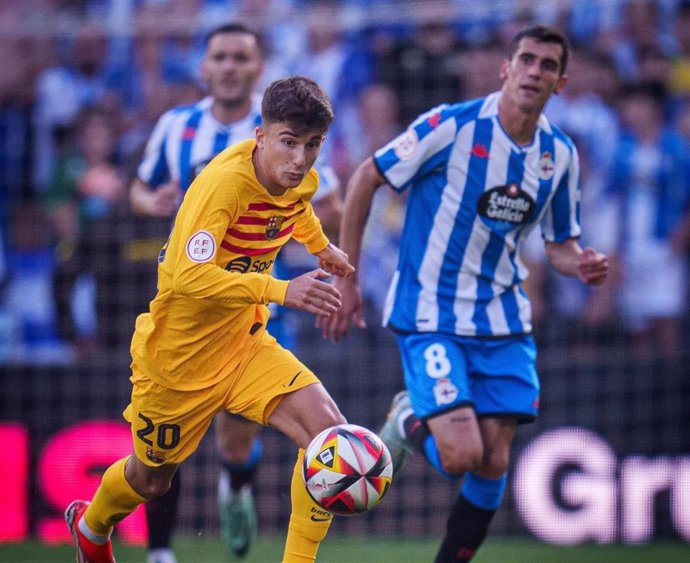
(203, 348)
(183, 142)
(481, 175)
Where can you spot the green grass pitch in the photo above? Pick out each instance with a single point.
(372, 550)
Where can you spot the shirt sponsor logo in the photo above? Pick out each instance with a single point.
(505, 207)
(406, 145)
(239, 265)
(201, 247)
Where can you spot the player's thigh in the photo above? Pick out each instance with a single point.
(303, 413)
(167, 424)
(235, 436)
(269, 375)
(457, 436)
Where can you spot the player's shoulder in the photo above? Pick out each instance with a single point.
(232, 166)
(182, 112)
(545, 125)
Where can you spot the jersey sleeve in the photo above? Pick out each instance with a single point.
(208, 210)
(415, 152)
(562, 218)
(154, 168)
(309, 232)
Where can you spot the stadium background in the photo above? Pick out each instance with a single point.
(608, 460)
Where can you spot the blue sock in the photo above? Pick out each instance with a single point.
(484, 493)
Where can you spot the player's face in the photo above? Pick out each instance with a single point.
(284, 155)
(533, 74)
(231, 67)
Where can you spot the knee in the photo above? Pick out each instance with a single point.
(150, 486)
(495, 463)
(154, 488)
(458, 459)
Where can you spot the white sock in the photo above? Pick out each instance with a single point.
(90, 535)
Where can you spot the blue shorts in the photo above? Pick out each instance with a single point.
(498, 377)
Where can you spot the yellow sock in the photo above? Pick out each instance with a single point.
(309, 522)
(114, 500)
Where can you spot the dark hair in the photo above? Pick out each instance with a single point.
(542, 34)
(236, 28)
(299, 101)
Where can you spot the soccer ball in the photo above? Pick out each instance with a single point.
(347, 469)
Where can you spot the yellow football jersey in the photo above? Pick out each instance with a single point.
(214, 277)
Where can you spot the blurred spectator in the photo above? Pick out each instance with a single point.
(15, 137)
(376, 121)
(30, 322)
(650, 191)
(640, 27)
(86, 187)
(334, 62)
(425, 68)
(475, 62)
(583, 111)
(680, 70)
(62, 90)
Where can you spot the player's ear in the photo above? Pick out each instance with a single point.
(260, 135)
(562, 81)
(503, 72)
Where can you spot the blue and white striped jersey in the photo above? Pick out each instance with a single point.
(474, 196)
(186, 139)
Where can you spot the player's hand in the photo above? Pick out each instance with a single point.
(163, 201)
(350, 312)
(308, 293)
(335, 261)
(593, 267)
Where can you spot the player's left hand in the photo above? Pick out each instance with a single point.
(593, 267)
(335, 261)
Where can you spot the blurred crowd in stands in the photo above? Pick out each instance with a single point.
(82, 83)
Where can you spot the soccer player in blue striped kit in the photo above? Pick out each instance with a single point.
(480, 175)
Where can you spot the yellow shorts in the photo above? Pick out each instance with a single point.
(168, 425)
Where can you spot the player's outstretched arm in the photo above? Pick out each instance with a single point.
(588, 265)
(360, 192)
(308, 293)
(159, 202)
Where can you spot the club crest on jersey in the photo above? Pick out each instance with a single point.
(445, 392)
(155, 456)
(505, 207)
(406, 145)
(273, 227)
(546, 166)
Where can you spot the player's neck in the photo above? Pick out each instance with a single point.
(228, 113)
(263, 177)
(520, 125)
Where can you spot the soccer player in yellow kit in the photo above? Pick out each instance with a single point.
(203, 346)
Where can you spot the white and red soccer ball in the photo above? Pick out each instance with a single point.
(347, 469)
